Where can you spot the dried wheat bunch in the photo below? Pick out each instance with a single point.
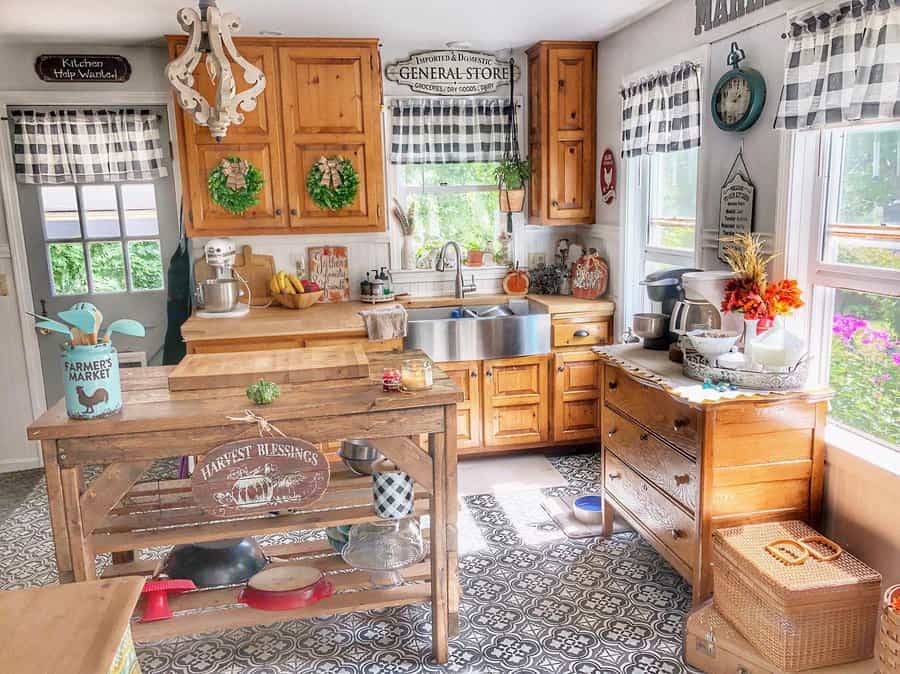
(405, 218)
(748, 259)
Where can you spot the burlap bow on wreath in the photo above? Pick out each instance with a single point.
(332, 182)
(234, 184)
(235, 173)
(330, 168)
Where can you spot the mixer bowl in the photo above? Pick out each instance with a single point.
(219, 295)
(650, 326)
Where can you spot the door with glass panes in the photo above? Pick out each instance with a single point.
(104, 243)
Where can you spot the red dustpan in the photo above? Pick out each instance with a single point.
(156, 593)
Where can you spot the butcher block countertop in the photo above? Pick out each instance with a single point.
(343, 320)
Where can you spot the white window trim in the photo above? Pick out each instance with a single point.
(517, 245)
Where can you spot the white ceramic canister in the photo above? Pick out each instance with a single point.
(392, 490)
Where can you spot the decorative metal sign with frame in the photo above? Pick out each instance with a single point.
(451, 72)
(736, 204)
(79, 68)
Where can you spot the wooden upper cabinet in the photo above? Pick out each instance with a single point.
(322, 97)
(331, 105)
(561, 132)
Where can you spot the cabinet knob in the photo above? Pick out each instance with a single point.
(611, 432)
(614, 476)
(474, 375)
(676, 534)
(612, 386)
(581, 333)
(277, 211)
(488, 374)
(294, 211)
(560, 368)
(555, 204)
(644, 437)
(678, 424)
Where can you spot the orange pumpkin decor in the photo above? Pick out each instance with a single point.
(516, 282)
(590, 276)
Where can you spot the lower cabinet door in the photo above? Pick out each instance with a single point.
(577, 381)
(516, 401)
(467, 376)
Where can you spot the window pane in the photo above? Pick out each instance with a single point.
(67, 266)
(100, 211)
(60, 212)
(470, 218)
(865, 364)
(139, 204)
(145, 261)
(673, 200)
(107, 266)
(864, 228)
(436, 175)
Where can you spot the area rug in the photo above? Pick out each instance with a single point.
(560, 510)
(507, 474)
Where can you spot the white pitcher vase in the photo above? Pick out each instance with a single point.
(408, 253)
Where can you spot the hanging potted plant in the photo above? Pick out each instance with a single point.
(512, 174)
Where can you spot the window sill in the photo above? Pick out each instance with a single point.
(424, 275)
(861, 449)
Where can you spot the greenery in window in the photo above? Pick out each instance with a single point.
(67, 264)
(673, 199)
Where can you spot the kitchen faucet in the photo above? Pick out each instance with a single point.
(461, 288)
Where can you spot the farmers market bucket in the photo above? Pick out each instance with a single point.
(91, 377)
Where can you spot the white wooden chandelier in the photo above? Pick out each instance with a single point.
(209, 34)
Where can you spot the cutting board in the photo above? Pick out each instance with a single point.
(255, 269)
(200, 371)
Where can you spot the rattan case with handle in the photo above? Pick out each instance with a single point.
(818, 613)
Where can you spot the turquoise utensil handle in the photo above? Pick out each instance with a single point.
(53, 326)
(80, 318)
(125, 326)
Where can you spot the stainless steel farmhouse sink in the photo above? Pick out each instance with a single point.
(446, 334)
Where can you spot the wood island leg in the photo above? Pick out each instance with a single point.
(439, 558)
(57, 511)
(82, 554)
(450, 420)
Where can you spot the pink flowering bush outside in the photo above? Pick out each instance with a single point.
(865, 374)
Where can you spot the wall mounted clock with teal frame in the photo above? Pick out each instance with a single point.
(739, 96)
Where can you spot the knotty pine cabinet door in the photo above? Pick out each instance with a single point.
(516, 401)
(467, 375)
(258, 140)
(577, 382)
(331, 105)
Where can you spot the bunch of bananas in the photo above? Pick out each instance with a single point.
(285, 284)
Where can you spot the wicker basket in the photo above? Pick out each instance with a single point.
(298, 301)
(888, 657)
(799, 616)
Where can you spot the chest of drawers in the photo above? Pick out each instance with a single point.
(678, 470)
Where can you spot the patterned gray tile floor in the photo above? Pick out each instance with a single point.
(534, 601)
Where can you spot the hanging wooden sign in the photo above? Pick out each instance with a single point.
(608, 176)
(329, 266)
(259, 475)
(81, 68)
(590, 276)
(451, 72)
(735, 204)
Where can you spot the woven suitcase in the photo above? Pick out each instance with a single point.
(714, 646)
(888, 651)
(800, 606)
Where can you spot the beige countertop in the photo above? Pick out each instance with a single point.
(343, 320)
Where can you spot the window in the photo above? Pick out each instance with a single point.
(102, 238)
(452, 201)
(852, 259)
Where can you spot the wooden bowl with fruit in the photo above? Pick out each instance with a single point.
(292, 292)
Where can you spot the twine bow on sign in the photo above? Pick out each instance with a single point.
(262, 424)
(330, 168)
(235, 173)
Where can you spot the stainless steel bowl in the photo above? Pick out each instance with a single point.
(219, 295)
(359, 456)
(650, 326)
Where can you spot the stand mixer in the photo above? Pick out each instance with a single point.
(220, 297)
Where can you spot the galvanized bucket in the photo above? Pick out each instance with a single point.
(91, 377)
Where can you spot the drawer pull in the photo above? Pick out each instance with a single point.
(560, 368)
(644, 437)
(676, 534)
(682, 479)
(678, 424)
(611, 432)
(612, 385)
(581, 333)
(614, 476)
(474, 375)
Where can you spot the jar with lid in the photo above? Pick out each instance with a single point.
(416, 374)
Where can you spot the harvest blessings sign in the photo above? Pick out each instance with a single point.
(82, 68)
(714, 13)
(451, 72)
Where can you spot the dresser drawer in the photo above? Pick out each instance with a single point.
(670, 524)
(580, 334)
(671, 471)
(657, 410)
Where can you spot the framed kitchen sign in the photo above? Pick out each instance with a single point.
(329, 266)
(451, 72)
(259, 475)
(608, 176)
(79, 68)
(736, 204)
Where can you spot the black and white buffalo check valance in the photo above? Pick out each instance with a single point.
(661, 113)
(842, 65)
(86, 146)
(448, 130)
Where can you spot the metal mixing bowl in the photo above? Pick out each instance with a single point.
(359, 456)
(650, 326)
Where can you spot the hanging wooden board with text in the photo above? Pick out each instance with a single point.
(590, 276)
(735, 205)
(451, 72)
(80, 68)
(329, 266)
(260, 475)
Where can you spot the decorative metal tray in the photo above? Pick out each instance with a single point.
(377, 299)
(697, 367)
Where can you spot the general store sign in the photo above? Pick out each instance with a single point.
(82, 68)
(451, 72)
(259, 475)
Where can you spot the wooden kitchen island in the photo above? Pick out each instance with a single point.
(119, 513)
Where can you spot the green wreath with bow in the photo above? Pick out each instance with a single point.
(332, 183)
(234, 184)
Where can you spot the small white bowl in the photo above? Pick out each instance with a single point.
(733, 361)
(712, 343)
(588, 509)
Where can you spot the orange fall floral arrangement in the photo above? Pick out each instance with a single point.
(750, 293)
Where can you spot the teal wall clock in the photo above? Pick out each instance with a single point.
(739, 96)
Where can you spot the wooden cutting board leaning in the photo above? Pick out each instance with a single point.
(283, 366)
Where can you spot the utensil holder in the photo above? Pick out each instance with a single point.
(91, 378)
(392, 491)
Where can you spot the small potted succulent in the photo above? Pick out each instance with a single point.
(512, 174)
(477, 248)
